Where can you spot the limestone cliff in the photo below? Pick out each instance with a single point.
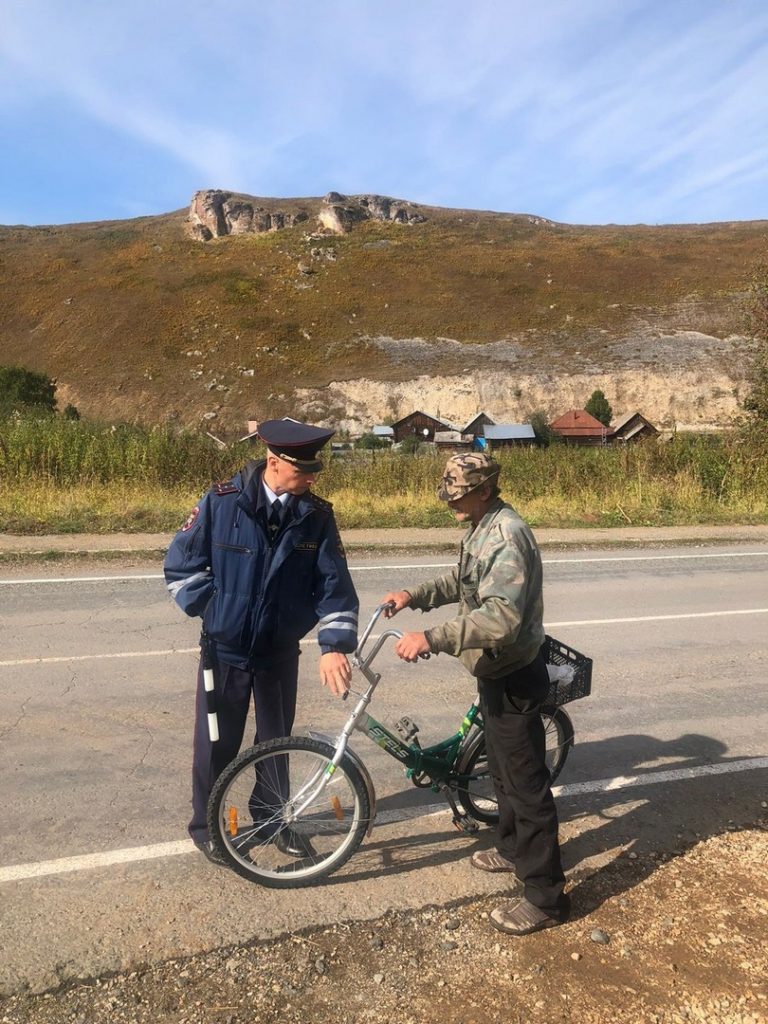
(214, 213)
(686, 381)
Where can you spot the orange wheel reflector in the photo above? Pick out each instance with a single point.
(233, 821)
(338, 810)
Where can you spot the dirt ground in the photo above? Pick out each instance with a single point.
(667, 939)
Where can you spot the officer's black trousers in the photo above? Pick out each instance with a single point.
(274, 698)
(527, 831)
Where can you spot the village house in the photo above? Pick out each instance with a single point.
(421, 424)
(578, 427)
(476, 426)
(453, 440)
(509, 435)
(384, 432)
(630, 428)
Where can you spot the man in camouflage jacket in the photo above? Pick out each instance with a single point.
(498, 634)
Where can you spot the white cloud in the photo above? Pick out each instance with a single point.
(572, 108)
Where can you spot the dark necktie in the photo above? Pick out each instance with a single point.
(275, 518)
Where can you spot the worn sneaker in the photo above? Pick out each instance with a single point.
(491, 860)
(519, 917)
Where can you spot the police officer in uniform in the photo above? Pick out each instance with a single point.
(498, 634)
(260, 560)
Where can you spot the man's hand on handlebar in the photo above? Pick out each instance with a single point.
(335, 672)
(412, 646)
(396, 600)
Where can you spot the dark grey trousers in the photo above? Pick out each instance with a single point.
(527, 831)
(274, 699)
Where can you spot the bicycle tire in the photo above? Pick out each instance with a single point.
(477, 797)
(331, 827)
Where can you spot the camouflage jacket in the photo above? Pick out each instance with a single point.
(497, 585)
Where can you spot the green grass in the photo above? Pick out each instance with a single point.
(59, 476)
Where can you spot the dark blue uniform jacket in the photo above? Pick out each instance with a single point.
(259, 599)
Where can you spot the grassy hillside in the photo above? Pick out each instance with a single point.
(138, 321)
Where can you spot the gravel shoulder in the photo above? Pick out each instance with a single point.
(674, 938)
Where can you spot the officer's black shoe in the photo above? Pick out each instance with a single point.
(294, 844)
(210, 852)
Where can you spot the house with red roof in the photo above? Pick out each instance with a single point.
(578, 427)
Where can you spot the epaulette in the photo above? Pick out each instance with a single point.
(225, 487)
(320, 502)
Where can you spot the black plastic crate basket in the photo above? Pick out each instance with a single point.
(576, 684)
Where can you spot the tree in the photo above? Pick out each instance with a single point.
(371, 441)
(22, 389)
(410, 444)
(545, 435)
(755, 403)
(599, 407)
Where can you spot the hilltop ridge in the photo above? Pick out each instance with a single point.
(451, 310)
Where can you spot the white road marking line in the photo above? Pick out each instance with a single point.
(654, 558)
(81, 579)
(89, 861)
(417, 565)
(98, 657)
(312, 640)
(656, 618)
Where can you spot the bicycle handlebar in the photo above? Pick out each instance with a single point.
(364, 663)
(384, 636)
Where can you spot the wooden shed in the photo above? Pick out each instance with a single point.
(630, 428)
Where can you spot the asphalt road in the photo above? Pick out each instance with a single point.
(96, 718)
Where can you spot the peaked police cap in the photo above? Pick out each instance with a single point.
(294, 442)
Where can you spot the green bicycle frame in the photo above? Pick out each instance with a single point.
(435, 761)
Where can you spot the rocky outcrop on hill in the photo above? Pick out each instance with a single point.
(340, 213)
(214, 213)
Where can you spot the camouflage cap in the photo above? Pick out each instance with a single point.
(463, 473)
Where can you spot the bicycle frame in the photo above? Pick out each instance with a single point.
(436, 762)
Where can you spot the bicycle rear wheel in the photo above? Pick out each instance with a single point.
(285, 793)
(478, 796)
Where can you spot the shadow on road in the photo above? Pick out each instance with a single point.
(613, 838)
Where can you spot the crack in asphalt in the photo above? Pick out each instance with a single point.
(71, 684)
(7, 731)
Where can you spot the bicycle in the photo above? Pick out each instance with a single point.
(320, 789)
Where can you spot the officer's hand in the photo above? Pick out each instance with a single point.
(399, 599)
(411, 645)
(335, 672)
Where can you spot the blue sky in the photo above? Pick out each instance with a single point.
(584, 111)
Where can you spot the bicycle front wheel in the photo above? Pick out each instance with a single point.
(478, 796)
(280, 814)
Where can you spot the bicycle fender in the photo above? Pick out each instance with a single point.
(358, 763)
(468, 752)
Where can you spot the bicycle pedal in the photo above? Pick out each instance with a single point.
(465, 824)
(406, 729)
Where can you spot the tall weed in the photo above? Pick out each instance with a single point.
(60, 475)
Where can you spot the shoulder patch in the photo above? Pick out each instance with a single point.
(191, 519)
(225, 487)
